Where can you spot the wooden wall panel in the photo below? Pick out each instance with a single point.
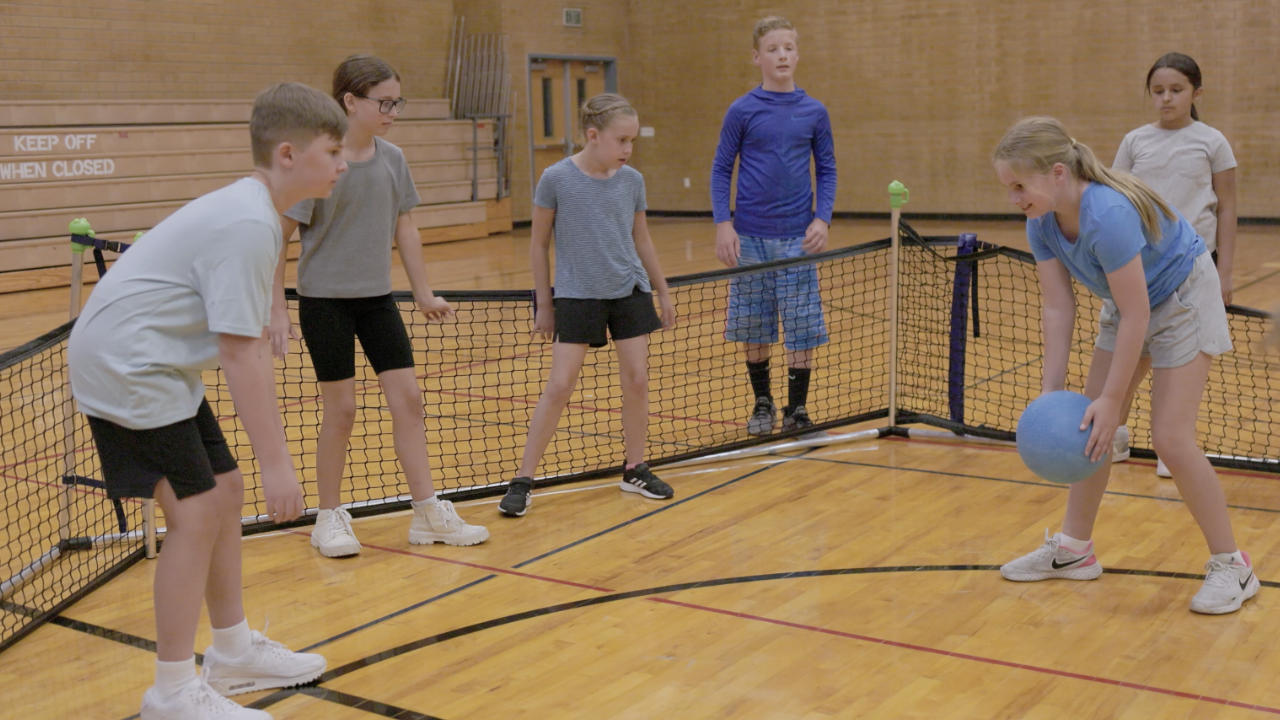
(921, 91)
(103, 49)
(918, 91)
(535, 26)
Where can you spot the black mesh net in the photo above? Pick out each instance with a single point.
(968, 359)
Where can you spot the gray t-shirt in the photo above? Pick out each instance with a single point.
(347, 237)
(595, 252)
(1179, 165)
(151, 326)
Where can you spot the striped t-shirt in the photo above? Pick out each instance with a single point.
(595, 252)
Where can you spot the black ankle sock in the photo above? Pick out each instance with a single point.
(759, 374)
(797, 386)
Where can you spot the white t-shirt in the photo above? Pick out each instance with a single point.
(151, 326)
(1179, 165)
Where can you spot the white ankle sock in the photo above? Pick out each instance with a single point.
(1236, 557)
(171, 676)
(415, 504)
(1079, 547)
(232, 642)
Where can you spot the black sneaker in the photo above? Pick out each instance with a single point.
(795, 418)
(762, 417)
(640, 479)
(518, 498)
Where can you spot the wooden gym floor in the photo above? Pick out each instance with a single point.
(852, 581)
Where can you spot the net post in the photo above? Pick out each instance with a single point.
(962, 289)
(149, 526)
(79, 228)
(898, 195)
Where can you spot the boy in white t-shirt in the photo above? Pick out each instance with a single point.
(195, 293)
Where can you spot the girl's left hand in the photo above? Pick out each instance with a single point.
(1224, 278)
(1104, 413)
(668, 313)
(436, 308)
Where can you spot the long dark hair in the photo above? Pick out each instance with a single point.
(1183, 64)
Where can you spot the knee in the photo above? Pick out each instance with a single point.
(1168, 442)
(558, 390)
(339, 413)
(230, 490)
(405, 402)
(635, 381)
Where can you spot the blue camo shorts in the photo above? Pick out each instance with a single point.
(757, 299)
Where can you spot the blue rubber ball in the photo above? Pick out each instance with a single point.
(1050, 440)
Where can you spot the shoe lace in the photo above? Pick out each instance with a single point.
(265, 648)
(763, 406)
(1217, 574)
(1050, 546)
(340, 526)
(447, 516)
(205, 698)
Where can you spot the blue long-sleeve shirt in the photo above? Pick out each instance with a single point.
(773, 135)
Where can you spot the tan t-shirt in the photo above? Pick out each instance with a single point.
(1179, 165)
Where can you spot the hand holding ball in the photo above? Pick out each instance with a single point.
(1050, 440)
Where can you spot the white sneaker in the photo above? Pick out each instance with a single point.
(439, 522)
(1162, 470)
(195, 701)
(333, 535)
(267, 664)
(1120, 444)
(1227, 584)
(1053, 561)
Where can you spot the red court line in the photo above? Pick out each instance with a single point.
(1097, 679)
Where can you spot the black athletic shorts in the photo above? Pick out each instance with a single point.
(187, 453)
(331, 325)
(583, 321)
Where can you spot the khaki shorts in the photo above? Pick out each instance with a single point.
(1190, 321)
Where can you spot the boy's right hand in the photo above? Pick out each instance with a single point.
(283, 494)
(727, 248)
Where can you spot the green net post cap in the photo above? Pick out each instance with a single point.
(79, 226)
(898, 194)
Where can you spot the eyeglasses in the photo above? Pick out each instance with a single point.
(386, 106)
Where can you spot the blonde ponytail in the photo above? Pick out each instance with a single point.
(1043, 142)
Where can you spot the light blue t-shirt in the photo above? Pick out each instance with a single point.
(595, 252)
(151, 325)
(1111, 234)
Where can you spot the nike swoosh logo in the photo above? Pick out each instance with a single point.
(1058, 566)
(1245, 582)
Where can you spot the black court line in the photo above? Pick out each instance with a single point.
(356, 702)
(409, 647)
(665, 507)
(412, 646)
(132, 640)
(465, 630)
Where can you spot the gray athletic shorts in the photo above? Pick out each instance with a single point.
(1190, 321)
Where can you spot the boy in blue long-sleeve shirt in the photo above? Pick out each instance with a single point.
(773, 131)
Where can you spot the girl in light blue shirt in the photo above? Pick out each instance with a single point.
(1162, 310)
